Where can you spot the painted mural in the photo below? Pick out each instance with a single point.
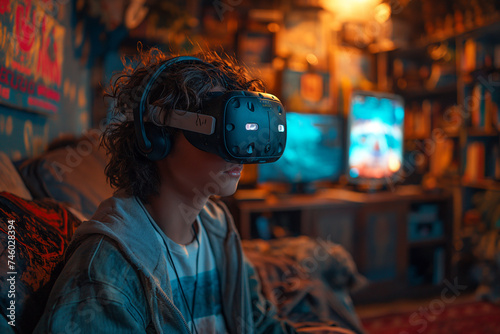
(31, 53)
(47, 51)
(44, 86)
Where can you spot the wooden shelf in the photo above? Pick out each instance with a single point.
(420, 46)
(450, 181)
(428, 243)
(452, 135)
(473, 132)
(483, 184)
(400, 194)
(492, 25)
(423, 93)
(415, 137)
(412, 137)
(480, 71)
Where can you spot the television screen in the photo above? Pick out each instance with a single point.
(313, 151)
(375, 136)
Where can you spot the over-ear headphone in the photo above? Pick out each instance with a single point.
(155, 142)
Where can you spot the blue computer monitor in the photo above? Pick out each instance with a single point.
(374, 137)
(313, 151)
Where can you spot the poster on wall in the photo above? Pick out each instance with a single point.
(307, 92)
(31, 55)
(256, 48)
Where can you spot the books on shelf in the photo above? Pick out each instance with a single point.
(469, 60)
(418, 120)
(442, 157)
(474, 162)
(452, 120)
(484, 110)
(476, 106)
(489, 106)
(496, 57)
(496, 154)
(425, 125)
(479, 54)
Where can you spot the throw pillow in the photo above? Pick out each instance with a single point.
(10, 179)
(33, 238)
(73, 174)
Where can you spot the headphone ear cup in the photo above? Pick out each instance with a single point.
(161, 141)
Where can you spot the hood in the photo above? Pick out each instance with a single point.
(125, 220)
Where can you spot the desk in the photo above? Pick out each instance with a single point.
(401, 239)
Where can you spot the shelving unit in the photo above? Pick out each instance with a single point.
(483, 184)
(466, 113)
(385, 232)
(477, 64)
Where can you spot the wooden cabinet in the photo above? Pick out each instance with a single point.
(399, 240)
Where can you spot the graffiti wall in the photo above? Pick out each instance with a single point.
(44, 89)
(31, 49)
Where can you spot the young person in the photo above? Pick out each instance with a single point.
(161, 255)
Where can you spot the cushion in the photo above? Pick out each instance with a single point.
(72, 174)
(10, 179)
(41, 230)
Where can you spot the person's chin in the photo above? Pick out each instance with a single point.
(229, 190)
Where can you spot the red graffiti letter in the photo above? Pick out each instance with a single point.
(48, 64)
(4, 6)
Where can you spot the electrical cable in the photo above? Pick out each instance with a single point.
(191, 312)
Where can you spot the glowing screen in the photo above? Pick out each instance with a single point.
(313, 151)
(375, 136)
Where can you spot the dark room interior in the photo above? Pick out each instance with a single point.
(373, 205)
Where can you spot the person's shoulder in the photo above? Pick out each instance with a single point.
(97, 269)
(95, 276)
(118, 206)
(98, 259)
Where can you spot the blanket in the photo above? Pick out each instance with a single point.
(308, 281)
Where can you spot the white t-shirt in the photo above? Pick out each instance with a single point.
(208, 317)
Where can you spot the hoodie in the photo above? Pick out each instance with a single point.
(115, 278)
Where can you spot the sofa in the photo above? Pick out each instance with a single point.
(45, 198)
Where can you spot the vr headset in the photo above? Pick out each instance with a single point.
(242, 127)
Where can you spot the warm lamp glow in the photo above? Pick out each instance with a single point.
(353, 10)
(382, 13)
(273, 27)
(312, 59)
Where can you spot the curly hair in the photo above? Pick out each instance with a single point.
(182, 85)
